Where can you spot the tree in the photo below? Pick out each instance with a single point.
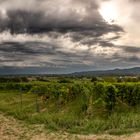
(94, 79)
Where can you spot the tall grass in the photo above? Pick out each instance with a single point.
(78, 107)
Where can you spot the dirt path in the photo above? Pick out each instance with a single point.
(11, 129)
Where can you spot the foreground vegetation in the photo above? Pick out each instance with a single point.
(75, 105)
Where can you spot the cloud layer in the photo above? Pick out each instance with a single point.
(62, 34)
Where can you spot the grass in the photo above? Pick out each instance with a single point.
(65, 117)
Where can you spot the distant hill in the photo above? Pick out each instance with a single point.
(130, 71)
(43, 71)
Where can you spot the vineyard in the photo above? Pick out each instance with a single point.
(74, 106)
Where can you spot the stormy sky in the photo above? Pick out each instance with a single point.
(62, 36)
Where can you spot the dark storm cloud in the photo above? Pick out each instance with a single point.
(22, 20)
(127, 59)
(24, 53)
(130, 55)
(94, 37)
(96, 41)
(80, 19)
(34, 22)
(133, 59)
(60, 35)
(132, 49)
(33, 52)
(27, 48)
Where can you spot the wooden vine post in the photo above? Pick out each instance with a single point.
(37, 103)
(21, 100)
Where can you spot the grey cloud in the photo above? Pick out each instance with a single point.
(27, 48)
(36, 22)
(28, 53)
(134, 0)
(133, 59)
(66, 23)
(49, 18)
(33, 52)
(91, 38)
(132, 49)
(128, 54)
(87, 28)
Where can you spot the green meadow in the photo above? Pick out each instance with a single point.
(74, 105)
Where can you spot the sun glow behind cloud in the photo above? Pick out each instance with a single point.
(109, 12)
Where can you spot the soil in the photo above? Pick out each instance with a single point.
(12, 129)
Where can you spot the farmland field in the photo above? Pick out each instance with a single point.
(74, 106)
